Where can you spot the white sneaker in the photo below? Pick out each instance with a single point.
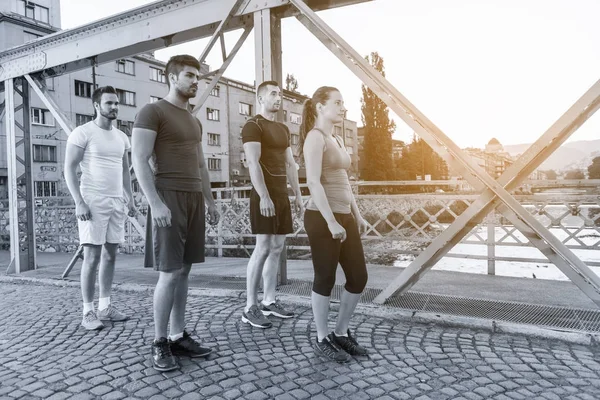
(91, 322)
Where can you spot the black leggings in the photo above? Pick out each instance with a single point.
(327, 252)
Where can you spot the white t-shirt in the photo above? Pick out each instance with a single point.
(102, 164)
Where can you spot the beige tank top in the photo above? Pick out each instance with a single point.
(334, 176)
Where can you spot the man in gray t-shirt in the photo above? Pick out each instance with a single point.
(176, 192)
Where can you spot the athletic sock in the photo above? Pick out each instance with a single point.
(87, 307)
(103, 303)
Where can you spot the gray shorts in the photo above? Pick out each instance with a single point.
(183, 241)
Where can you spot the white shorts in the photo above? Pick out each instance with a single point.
(107, 224)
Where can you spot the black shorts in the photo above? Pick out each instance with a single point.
(280, 224)
(183, 241)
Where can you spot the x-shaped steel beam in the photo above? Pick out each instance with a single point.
(494, 193)
(227, 59)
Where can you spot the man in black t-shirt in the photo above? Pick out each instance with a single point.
(176, 193)
(271, 164)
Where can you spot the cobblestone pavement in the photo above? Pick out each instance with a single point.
(45, 354)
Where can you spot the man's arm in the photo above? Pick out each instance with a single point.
(73, 157)
(292, 175)
(291, 171)
(206, 189)
(253, 151)
(142, 146)
(127, 185)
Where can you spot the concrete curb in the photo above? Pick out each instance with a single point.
(493, 326)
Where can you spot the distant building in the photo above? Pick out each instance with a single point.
(494, 160)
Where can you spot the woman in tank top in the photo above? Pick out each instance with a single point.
(332, 222)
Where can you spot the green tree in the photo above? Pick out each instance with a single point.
(378, 163)
(418, 159)
(575, 174)
(291, 83)
(594, 169)
(550, 174)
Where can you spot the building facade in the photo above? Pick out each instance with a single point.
(139, 80)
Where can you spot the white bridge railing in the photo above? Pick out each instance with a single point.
(399, 224)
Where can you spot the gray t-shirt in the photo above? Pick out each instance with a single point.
(178, 134)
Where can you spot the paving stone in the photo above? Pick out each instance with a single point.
(407, 361)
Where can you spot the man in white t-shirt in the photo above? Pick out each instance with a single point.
(101, 151)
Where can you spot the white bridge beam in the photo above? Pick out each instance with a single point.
(148, 28)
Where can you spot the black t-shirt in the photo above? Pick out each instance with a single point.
(178, 134)
(274, 138)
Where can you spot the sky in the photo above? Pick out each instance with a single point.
(478, 69)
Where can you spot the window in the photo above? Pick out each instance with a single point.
(350, 150)
(212, 114)
(154, 99)
(125, 97)
(125, 126)
(295, 139)
(81, 119)
(214, 139)
(215, 92)
(45, 189)
(83, 89)
(349, 134)
(214, 164)
(245, 109)
(29, 36)
(337, 130)
(33, 11)
(125, 67)
(295, 118)
(44, 153)
(157, 75)
(285, 116)
(41, 116)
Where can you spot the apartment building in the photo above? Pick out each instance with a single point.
(139, 80)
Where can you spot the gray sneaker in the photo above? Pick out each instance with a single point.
(275, 309)
(91, 322)
(256, 318)
(110, 313)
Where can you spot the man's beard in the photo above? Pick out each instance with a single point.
(189, 94)
(109, 115)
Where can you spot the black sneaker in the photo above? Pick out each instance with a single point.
(328, 348)
(186, 346)
(349, 344)
(162, 358)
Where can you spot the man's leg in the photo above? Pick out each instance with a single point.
(106, 311)
(252, 314)
(107, 271)
(164, 295)
(89, 268)
(164, 298)
(177, 318)
(271, 267)
(255, 269)
(270, 305)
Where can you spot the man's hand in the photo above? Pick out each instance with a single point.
(299, 205)
(213, 215)
(161, 215)
(82, 211)
(132, 208)
(267, 208)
